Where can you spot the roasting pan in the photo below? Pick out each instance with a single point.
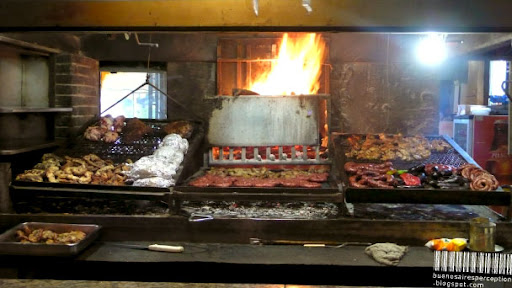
(10, 246)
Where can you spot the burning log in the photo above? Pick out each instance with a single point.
(238, 92)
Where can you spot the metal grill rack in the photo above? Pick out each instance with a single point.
(296, 154)
(455, 156)
(238, 157)
(118, 152)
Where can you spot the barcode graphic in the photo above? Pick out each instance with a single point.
(473, 262)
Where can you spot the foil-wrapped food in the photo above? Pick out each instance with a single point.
(175, 141)
(160, 168)
(152, 166)
(154, 182)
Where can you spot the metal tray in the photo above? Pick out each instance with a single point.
(23, 189)
(10, 246)
(330, 186)
(455, 156)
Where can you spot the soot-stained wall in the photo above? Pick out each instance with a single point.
(376, 84)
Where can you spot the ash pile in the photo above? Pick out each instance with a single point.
(261, 209)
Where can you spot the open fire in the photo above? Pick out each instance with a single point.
(297, 68)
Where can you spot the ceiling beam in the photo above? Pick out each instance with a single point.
(273, 15)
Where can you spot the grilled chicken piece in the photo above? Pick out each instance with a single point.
(107, 122)
(119, 124)
(94, 133)
(110, 137)
(70, 237)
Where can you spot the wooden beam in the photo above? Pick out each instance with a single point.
(282, 15)
(32, 47)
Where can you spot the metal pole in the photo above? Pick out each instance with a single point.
(133, 91)
(173, 100)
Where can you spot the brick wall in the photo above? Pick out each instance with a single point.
(76, 85)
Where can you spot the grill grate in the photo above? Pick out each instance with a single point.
(295, 154)
(122, 150)
(450, 156)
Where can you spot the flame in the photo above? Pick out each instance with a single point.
(297, 68)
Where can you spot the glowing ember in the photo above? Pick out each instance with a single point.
(297, 68)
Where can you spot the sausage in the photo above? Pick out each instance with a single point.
(379, 184)
(357, 181)
(318, 177)
(370, 173)
(309, 184)
(353, 167)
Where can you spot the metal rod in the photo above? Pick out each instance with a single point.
(174, 100)
(133, 91)
(144, 43)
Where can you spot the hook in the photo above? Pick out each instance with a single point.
(307, 5)
(144, 44)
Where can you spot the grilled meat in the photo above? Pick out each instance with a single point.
(119, 124)
(94, 133)
(89, 169)
(49, 237)
(107, 122)
(135, 129)
(110, 137)
(183, 128)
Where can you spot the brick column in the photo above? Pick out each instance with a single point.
(77, 86)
